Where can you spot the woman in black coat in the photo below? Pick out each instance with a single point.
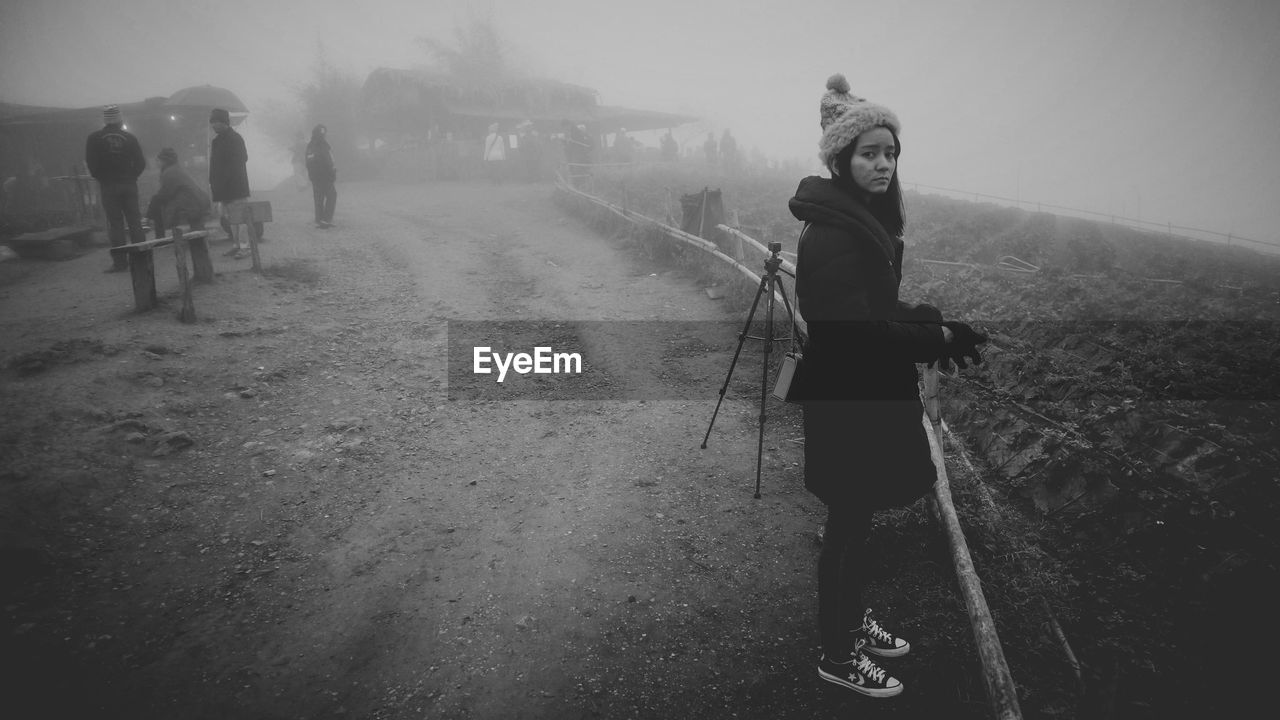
(865, 444)
(323, 174)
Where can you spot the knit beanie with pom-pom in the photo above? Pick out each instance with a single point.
(844, 117)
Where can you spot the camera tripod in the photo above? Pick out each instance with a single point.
(769, 282)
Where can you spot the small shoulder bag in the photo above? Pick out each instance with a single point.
(787, 385)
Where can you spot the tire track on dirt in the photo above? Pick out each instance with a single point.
(502, 543)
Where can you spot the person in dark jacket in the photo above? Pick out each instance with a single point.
(323, 174)
(865, 445)
(179, 200)
(577, 153)
(670, 151)
(229, 175)
(114, 158)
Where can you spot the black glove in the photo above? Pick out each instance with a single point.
(964, 344)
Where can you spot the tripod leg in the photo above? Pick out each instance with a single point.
(791, 315)
(742, 338)
(764, 377)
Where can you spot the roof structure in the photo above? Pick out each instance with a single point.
(398, 98)
(188, 100)
(55, 137)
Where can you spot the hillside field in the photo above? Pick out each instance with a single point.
(1124, 425)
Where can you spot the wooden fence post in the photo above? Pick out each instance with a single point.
(933, 412)
(252, 228)
(243, 214)
(188, 312)
(201, 265)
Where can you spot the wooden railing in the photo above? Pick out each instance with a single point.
(996, 677)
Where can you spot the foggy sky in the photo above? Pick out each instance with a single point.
(1166, 110)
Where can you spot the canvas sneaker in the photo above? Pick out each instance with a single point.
(859, 674)
(881, 642)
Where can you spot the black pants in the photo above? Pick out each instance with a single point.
(120, 205)
(326, 196)
(841, 571)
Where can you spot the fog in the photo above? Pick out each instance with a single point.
(1162, 110)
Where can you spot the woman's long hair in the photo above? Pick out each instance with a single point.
(886, 207)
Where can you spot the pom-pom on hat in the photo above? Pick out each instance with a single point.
(220, 115)
(111, 115)
(844, 117)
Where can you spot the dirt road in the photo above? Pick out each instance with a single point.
(278, 512)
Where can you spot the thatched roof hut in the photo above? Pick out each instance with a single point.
(412, 101)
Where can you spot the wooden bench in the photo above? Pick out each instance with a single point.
(58, 243)
(142, 268)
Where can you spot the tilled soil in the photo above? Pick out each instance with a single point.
(280, 511)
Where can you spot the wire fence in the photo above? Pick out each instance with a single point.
(1150, 226)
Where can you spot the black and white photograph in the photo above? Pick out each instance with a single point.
(608, 360)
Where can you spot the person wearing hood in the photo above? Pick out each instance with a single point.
(323, 175)
(179, 199)
(865, 445)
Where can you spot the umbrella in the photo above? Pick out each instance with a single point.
(207, 96)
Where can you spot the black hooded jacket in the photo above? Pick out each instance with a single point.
(864, 442)
(863, 342)
(228, 170)
(320, 166)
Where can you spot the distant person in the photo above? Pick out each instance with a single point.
(709, 149)
(323, 174)
(728, 151)
(588, 140)
(114, 158)
(576, 152)
(495, 154)
(179, 200)
(670, 152)
(229, 176)
(530, 152)
(29, 191)
(865, 448)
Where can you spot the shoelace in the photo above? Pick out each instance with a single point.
(870, 669)
(874, 630)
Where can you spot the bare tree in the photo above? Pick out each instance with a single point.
(478, 55)
(332, 98)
